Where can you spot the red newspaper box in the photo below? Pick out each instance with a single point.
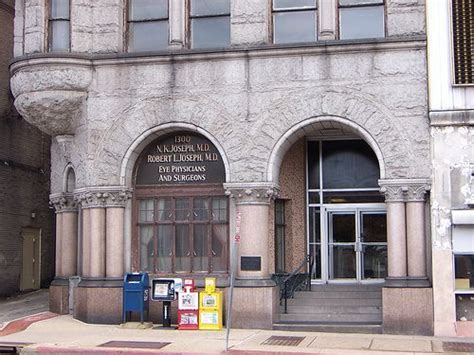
(188, 307)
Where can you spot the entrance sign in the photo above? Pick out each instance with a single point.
(180, 158)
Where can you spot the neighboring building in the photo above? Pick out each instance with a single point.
(173, 118)
(26, 222)
(451, 77)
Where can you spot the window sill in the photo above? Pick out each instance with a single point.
(265, 50)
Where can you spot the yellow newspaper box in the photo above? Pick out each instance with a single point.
(210, 306)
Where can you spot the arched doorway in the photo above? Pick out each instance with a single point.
(344, 224)
(346, 216)
(180, 213)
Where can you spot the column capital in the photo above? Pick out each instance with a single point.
(103, 196)
(252, 193)
(63, 202)
(405, 190)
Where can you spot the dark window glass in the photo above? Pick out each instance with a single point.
(147, 25)
(279, 236)
(464, 271)
(187, 238)
(314, 225)
(463, 40)
(313, 165)
(210, 23)
(287, 4)
(353, 197)
(349, 164)
(343, 228)
(59, 26)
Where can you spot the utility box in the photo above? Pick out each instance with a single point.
(136, 295)
(210, 306)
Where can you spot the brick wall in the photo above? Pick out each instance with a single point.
(24, 177)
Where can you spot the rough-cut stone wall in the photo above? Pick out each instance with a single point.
(24, 177)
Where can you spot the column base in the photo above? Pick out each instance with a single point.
(254, 307)
(98, 305)
(407, 282)
(407, 310)
(59, 297)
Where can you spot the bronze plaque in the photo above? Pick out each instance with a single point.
(250, 263)
(180, 158)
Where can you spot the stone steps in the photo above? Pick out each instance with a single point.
(337, 308)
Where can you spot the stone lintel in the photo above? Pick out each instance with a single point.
(404, 190)
(252, 193)
(103, 196)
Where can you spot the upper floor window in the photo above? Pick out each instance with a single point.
(361, 19)
(463, 40)
(59, 26)
(148, 23)
(210, 23)
(294, 21)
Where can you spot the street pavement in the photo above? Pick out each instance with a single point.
(48, 333)
(23, 305)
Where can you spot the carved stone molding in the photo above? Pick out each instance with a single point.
(405, 190)
(63, 202)
(251, 194)
(102, 197)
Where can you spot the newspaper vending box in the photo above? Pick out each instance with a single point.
(210, 306)
(188, 306)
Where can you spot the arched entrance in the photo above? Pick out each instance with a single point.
(344, 224)
(180, 212)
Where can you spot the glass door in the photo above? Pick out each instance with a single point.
(355, 243)
(342, 242)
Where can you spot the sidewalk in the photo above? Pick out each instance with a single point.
(63, 334)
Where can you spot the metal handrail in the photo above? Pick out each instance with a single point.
(295, 280)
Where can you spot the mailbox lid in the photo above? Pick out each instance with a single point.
(136, 281)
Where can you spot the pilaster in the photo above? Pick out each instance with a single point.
(327, 13)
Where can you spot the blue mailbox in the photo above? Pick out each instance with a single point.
(136, 294)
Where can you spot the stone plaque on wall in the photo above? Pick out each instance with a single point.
(180, 158)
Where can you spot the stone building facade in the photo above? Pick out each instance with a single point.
(26, 222)
(245, 115)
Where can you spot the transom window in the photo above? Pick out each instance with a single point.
(361, 19)
(183, 234)
(294, 21)
(210, 23)
(59, 26)
(148, 23)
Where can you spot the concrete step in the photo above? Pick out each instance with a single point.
(329, 327)
(347, 287)
(329, 317)
(333, 309)
(322, 302)
(338, 294)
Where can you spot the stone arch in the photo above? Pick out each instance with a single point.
(69, 179)
(137, 146)
(306, 127)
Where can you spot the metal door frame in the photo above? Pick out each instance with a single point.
(356, 209)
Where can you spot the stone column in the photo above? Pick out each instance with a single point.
(407, 298)
(97, 242)
(255, 294)
(66, 234)
(115, 202)
(177, 20)
(396, 233)
(66, 250)
(416, 236)
(86, 231)
(327, 13)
